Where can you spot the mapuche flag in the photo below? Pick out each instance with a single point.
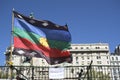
(41, 38)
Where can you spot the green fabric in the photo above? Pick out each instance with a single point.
(34, 38)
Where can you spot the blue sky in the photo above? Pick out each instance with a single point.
(89, 21)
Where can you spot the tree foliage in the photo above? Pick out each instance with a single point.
(97, 75)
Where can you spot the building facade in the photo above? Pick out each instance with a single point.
(115, 63)
(83, 54)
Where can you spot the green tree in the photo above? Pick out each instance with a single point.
(5, 75)
(96, 75)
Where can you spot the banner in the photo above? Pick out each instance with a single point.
(56, 73)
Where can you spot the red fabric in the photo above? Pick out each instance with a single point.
(49, 52)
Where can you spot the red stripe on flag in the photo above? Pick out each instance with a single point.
(49, 52)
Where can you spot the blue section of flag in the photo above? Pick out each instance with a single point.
(51, 34)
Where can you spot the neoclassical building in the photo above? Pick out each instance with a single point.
(83, 54)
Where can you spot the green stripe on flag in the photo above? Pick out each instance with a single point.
(28, 35)
(34, 38)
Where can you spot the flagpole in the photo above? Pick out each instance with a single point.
(32, 66)
(11, 42)
(11, 46)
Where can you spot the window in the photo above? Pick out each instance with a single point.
(87, 47)
(116, 58)
(72, 70)
(88, 62)
(81, 47)
(107, 62)
(76, 47)
(82, 57)
(77, 62)
(98, 57)
(112, 58)
(107, 57)
(97, 47)
(76, 59)
(88, 57)
(99, 62)
(82, 62)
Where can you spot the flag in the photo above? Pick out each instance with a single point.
(41, 38)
